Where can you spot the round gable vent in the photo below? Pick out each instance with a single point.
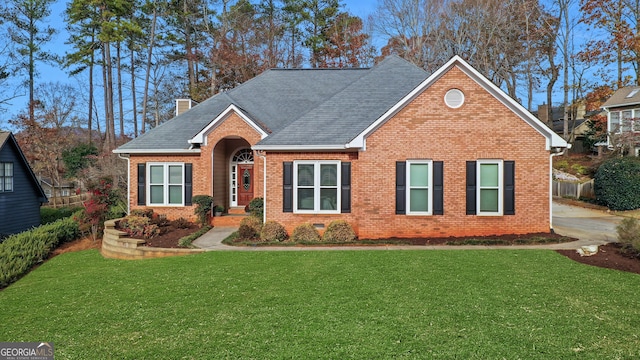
(454, 98)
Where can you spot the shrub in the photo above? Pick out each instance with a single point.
(181, 223)
(250, 228)
(204, 204)
(19, 252)
(562, 165)
(272, 231)
(148, 213)
(49, 215)
(617, 183)
(339, 231)
(256, 207)
(580, 169)
(139, 227)
(305, 233)
(629, 233)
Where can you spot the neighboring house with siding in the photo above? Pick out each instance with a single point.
(394, 151)
(20, 192)
(623, 118)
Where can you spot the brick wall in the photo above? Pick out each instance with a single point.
(223, 141)
(483, 128)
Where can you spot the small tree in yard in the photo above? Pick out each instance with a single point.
(95, 211)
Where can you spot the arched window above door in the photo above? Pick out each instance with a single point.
(243, 156)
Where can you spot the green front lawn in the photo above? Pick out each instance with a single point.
(480, 304)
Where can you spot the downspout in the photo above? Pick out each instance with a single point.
(263, 155)
(551, 185)
(128, 181)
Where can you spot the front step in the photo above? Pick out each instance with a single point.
(238, 210)
(229, 219)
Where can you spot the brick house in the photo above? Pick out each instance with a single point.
(392, 150)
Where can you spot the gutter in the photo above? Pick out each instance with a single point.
(128, 180)
(551, 156)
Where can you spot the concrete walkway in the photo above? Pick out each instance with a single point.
(591, 227)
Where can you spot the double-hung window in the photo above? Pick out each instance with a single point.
(627, 121)
(490, 187)
(614, 122)
(419, 199)
(6, 176)
(166, 184)
(316, 186)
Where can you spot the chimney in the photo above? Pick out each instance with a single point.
(543, 113)
(183, 105)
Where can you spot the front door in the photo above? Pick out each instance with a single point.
(245, 184)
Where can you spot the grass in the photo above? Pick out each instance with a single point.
(479, 304)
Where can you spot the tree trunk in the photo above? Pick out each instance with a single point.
(145, 97)
(119, 74)
(133, 93)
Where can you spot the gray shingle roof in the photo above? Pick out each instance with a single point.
(297, 106)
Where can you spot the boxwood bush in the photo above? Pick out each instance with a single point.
(305, 233)
(250, 228)
(273, 231)
(19, 252)
(617, 183)
(339, 231)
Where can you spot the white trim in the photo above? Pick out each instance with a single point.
(316, 186)
(128, 181)
(429, 187)
(165, 183)
(552, 139)
(232, 202)
(301, 147)
(500, 187)
(201, 137)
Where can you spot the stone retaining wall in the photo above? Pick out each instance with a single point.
(116, 245)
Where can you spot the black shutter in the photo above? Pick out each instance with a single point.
(142, 168)
(345, 190)
(401, 188)
(438, 188)
(287, 187)
(509, 206)
(471, 187)
(188, 184)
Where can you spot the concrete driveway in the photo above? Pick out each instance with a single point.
(596, 226)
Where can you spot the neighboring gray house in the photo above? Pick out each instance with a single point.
(20, 192)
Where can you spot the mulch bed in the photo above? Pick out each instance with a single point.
(171, 237)
(608, 256)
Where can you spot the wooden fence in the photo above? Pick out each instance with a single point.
(574, 189)
(67, 201)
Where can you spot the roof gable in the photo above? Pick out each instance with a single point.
(552, 139)
(7, 139)
(200, 137)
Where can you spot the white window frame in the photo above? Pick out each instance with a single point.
(612, 127)
(500, 187)
(316, 186)
(429, 187)
(165, 184)
(635, 122)
(4, 179)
